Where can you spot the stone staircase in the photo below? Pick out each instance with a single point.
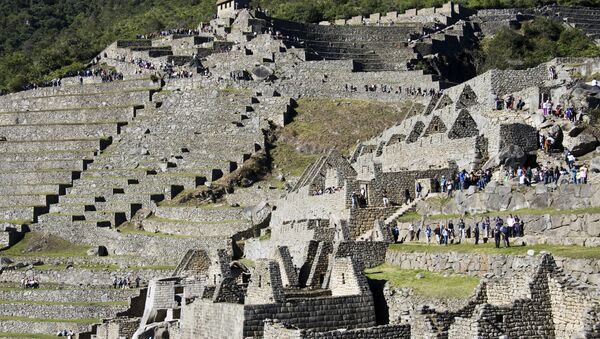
(402, 210)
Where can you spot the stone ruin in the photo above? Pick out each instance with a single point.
(84, 161)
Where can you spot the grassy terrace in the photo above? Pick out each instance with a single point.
(88, 321)
(61, 303)
(574, 252)
(27, 335)
(432, 285)
(37, 245)
(323, 123)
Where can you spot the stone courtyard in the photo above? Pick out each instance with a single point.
(105, 171)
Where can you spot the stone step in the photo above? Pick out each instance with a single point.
(27, 200)
(67, 164)
(98, 87)
(67, 117)
(75, 220)
(59, 311)
(59, 131)
(224, 228)
(68, 294)
(21, 213)
(200, 214)
(42, 178)
(31, 189)
(52, 145)
(103, 181)
(48, 155)
(73, 102)
(86, 277)
(135, 173)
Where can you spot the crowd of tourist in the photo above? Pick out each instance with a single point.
(167, 32)
(64, 333)
(383, 88)
(448, 233)
(125, 282)
(328, 190)
(30, 282)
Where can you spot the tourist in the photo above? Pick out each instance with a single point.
(583, 174)
(354, 199)
(504, 231)
(438, 232)
(445, 233)
(449, 188)
(461, 230)
(595, 83)
(476, 233)
(443, 183)
(574, 175)
(428, 234)
(510, 221)
(115, 282)
(450, 227)
(418, 189)
(395, 233)
(406, 196)
(496, 234)
(386, 201)
(137, 282)
(411, 232)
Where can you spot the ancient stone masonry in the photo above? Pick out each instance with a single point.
(100, 164)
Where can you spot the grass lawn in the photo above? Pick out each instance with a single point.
(27, 335)
(88, 321)
(575, 252)
(433, 285)
(44, 245)
(60, 303)
(324, 123)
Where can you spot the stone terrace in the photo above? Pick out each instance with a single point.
(51, 135)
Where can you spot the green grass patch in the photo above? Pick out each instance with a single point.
(265, 236)
(27, 335)
(128, 228)
(247, 262)
(323, 123)
(571, 251)
(432, 285)
(290, 161)
(61, 303)
(38, 244)
(88, 321)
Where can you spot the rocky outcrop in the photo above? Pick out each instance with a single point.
(581, 144)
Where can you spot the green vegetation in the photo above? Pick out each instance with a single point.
(62, 303)
(432, 285)
(39, 244)
(42, 39)
(575, 252)
(88, 321)
(26, 335)
(536, 42)
(290, 161)
(247, 262)
(322, 124)
(46, 39)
